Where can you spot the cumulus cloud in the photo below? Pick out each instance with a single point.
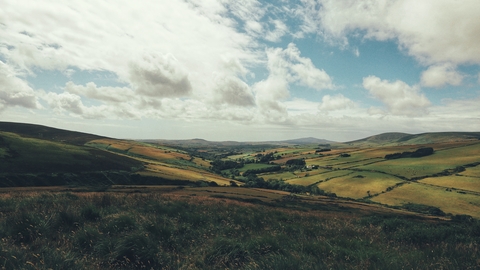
(297, 69)
(441, 75)
(270, 92)
(337, 102)
(65, 102)
(73, 104)
(233, 91)
(399, 97)
(433, 31)
(160, 76)
(286, 66)
(15, 91)
(106, 94)
(198, 33)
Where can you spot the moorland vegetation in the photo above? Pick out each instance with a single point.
(147, 230)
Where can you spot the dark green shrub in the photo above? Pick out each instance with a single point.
(123, 223)
(227, 253)
(23, 227)
(66, 219)
(85, 239)
(139, 251)
(56, 259)
(90, 212)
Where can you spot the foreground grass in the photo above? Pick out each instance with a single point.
(129, 231)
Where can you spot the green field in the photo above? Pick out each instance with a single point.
(425, 166)
(278, 176)
(254, 166)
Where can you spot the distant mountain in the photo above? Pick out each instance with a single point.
(382, 138)
(398, 138)
(48, 133)
(202, 142)
(309, 140)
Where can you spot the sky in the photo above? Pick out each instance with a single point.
(242, 70)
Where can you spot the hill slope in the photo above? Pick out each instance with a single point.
(48, 133)
(30, 155)
(397, 138)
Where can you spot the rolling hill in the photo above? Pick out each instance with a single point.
(397, 138)
(48, 133)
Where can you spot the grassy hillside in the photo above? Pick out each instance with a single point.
(28, 155)
(413, 139)
(47, 133)
(29, 152)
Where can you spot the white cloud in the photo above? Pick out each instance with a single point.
(399, 97)
(15, 91)
(107, 36)
(433, 31)
(73, 105)
(278, 31)
(233, 91)
(65, 102)
(440, 75)
(296, 69)
(337, 102)
(106, 94)
(160, 76)
(356, 52)
(299, 106)
(270, 92)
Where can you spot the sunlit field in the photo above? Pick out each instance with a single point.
(454, 181)
(360, 185)
(452, 202)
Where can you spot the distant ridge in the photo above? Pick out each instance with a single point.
(383, 138)
(202, 142)
(48, 133)
(308, 140)
(422, 138)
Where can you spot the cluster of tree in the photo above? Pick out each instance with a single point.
(421, 152)
(323, 150)
(295, 162)
(258, 182)
(265, 158)
(220, 165)
(275, 168)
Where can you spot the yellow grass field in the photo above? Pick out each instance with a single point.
(141, 149)
(359, 163)
(117, 144)
(453, 181)
(353, 186)
(308, 180)
(472, 171)
(175, 173)
(448, 201)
